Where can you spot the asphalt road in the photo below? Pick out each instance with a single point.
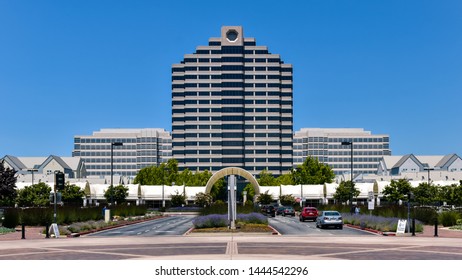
(292, 226)
(179, 225)
(173, 225)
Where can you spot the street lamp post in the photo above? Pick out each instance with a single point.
(112, 168)
(32, 170)
(350, 143)
(428, 177)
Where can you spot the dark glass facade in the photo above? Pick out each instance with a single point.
(232, 106)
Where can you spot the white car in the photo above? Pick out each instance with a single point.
(329, 218)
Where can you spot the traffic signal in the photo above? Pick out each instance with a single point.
(59, 181)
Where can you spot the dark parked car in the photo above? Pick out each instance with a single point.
(288, 211)
(279, 210)
(329, 218)
(308, 213)
(268, 210)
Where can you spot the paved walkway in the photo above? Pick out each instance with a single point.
(38, 233)
(447, 246)
(234, 247)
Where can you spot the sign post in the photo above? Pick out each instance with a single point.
(59, 185)
(370, 202)
(232, 201)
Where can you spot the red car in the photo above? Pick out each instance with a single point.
(308, 213)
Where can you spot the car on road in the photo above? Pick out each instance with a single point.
(268, 210)
(308, 213)
(271, 211)
(329, 218)
(288, 211)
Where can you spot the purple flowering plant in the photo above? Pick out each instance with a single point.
(221, 220)
(380, 223)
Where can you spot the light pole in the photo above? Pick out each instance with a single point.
(350, 143)
(32, 170)
(112, 167)
(428, 177)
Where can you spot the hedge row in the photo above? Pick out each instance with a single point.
(65, 215)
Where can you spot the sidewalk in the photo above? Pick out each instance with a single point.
(36, 233)
(31, 233)
(429, 231)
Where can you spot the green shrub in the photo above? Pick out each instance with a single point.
(222, 208)
(38, 216)
(128, 210)
(11, 218)
(216, 208)
(448, 218)
(6, 230)
(425, 215)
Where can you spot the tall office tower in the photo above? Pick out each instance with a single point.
(140, 148)
(326, 145)
(232, 107)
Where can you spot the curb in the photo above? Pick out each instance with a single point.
(369, 230)
(275, 232)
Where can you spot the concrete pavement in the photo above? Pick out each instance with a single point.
(235, 246)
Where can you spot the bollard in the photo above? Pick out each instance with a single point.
(47, 229)
(413, 226)
(436, 228)
(23, 230)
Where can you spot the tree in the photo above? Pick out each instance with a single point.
(457, 194)
(35, 195)
(346, 191)
(150, 175)
(312, 172)
(285, 179)
(397, 190)
(250, 191)
(167, 174)
(172, 171)
(203, 199)
(164, 174)
(219, 190)
(72, 194)
(177, 199)
(265, 198)
(8, 191)
(189, 178)
(287, 200)
(446, 194)
(118, 195)
(184, 176)
(426, 194)
(266, 178)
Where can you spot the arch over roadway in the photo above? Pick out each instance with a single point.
(232, 171)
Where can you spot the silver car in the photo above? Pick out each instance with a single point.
(329, 218)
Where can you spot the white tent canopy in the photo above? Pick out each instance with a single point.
(295, 190)
(274, 191)
(191, 192)
(313, 191)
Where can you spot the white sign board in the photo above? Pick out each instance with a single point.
(370, 196)
(54, 229)
(401, 228)
(370, 205)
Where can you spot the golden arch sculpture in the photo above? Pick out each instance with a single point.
(232, 171)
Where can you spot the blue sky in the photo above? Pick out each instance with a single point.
(73, 67)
